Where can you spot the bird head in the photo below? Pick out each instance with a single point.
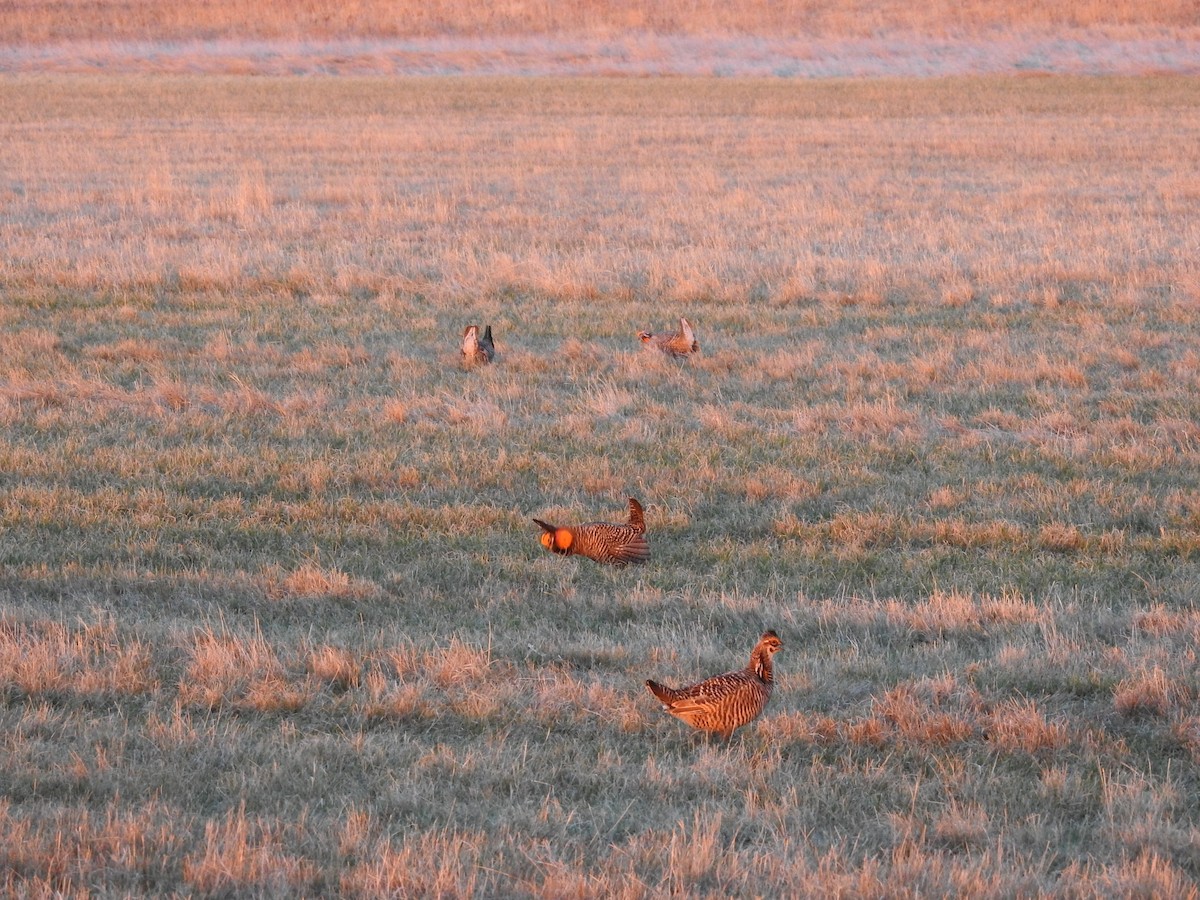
(556, 540)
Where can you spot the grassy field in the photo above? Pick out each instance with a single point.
(275, 619)
(40, 21)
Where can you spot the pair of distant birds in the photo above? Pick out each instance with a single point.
(481, 348)
(719, 704)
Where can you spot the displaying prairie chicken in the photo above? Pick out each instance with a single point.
(604, 542)
(726, 702)
(679, 344)
(476, 349)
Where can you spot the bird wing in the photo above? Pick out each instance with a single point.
(470, 341)
(636, 550)
(685, 328)
(712, 689)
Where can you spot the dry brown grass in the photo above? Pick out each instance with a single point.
(683, 227)
(47, 658)
(243, 855)
(27, 21)
(275, 619)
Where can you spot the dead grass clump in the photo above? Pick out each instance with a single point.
(772, 482)
(45, 657)
(383, 699)
(1009, 609)
(65, 854)
(1147, 875)
(480, 418)
(336, 666)
(28, 346)
(604, 400)
(456, 664)
(314, 582)
(971, 535)
(33, 665)
(248, 401)
(956, 292)
(1019, 725)
(859, 530)
(396, 411)
(1001, 420)
(1058, 537)
(1150, 692)
(327, 356)
(599, 480)
(42, 395)
(1183, 544)
(694, 853)
(720, 420)
(794, 726)
(1187, 732)
(868, 732)
(310, 476)
(128, 350)
(947, 497)
(1065, 374)
(174, 395)
(586, 353)
(1160, 621)
(794, 364)
(437, 863)
(128, 669)
(1125, 358)
(866, 421)
(244, 854)
(919, 720)
(961, 827)
(1113, 542)
(945, 612)
(1061, 423)
(226, 670)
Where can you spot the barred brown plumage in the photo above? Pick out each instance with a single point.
(604, 542)
(476, 349)
(679, 344)
(725, 702)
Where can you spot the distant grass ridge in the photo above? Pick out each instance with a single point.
(40, 21)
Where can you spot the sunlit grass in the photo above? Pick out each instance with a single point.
(275, 619)
(38, 21)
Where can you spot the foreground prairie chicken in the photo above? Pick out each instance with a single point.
(679, 344)
(725, 702)
(602, 541)
(476, 349)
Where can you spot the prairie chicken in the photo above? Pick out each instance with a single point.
(679, 344)
(602, 541)
(725, 702)
(476, 349)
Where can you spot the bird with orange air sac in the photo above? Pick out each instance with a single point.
(604, 542)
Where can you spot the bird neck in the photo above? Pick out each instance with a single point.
(760, 665)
